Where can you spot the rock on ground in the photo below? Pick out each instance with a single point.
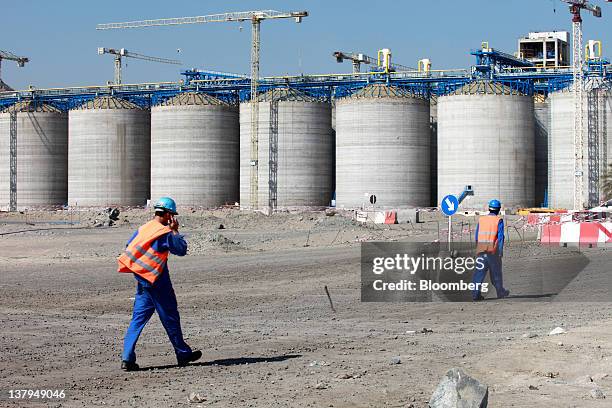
(195, 397)
(459, 390)
(597, 393)
(557, 330)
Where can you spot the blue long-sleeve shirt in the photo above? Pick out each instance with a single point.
(500, 235)
(175, 243)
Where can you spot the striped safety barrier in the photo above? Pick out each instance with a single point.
(561, 216)
(577, 234)
(378, 217)
(541, 218)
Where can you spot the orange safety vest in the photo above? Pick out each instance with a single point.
(140, 258)
(487, 234)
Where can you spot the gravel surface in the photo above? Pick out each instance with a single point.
(251, 296)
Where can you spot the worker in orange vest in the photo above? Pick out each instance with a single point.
(146, 256)
(489, 251)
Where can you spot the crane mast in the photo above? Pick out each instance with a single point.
(578, 76)
(255, 17)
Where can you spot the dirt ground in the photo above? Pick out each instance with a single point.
(251, 297)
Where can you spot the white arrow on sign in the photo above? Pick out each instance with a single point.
(450, 205)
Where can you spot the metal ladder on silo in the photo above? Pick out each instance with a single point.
(13, 163)
(593, 147)
(603, 139)
(273, 154)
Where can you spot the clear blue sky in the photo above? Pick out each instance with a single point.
(60, 38)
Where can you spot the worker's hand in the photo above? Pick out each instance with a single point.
(174, 224)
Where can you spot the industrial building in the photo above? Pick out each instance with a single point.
(546, 49)
(409, 137)
(192, 141)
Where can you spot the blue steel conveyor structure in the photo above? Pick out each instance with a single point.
(491, 64)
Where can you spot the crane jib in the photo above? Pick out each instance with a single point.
(212, 18)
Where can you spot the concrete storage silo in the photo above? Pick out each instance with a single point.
(597, 127)
(300, 128)
(486, 140)
(604, 120)
(561, 165)
(433, 151)
(194, 150)
(333, 134)
(42, 155)
(541, 153)
(382, 148)
(109, 150)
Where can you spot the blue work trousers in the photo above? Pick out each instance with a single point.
(158, 297)
(493, 264)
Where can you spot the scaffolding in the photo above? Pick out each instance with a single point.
(13, 162)
(273, 154)
(593, 137)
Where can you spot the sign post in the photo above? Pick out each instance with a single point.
(449, 206)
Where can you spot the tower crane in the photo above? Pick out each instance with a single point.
(255, 17)
(356, 59)
(119, 53)
(575, 7)
(383, 60)
(6, 55)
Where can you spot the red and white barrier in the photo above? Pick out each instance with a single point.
(543, 218)
(577, 234)
(379, 217)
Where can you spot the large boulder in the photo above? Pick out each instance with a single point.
(459, 390)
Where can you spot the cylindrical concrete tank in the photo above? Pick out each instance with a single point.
(561, 166)
(333, 133)
(604, 121)
(542, 123)
(433, 151)
(194, 150)
(42, 155)
(382, 148)
(109, 153)
(486, 140)
(597, 128)
(294, 132)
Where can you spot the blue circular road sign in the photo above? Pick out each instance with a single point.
(449, 205)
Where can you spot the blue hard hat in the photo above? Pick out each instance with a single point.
(494, 204)
(166, 203)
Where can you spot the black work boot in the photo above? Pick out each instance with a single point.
(129, 366)
(480, 298)
(195, 356)
(503, 294)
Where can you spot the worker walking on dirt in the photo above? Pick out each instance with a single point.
(490, 250)
(146, 256)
